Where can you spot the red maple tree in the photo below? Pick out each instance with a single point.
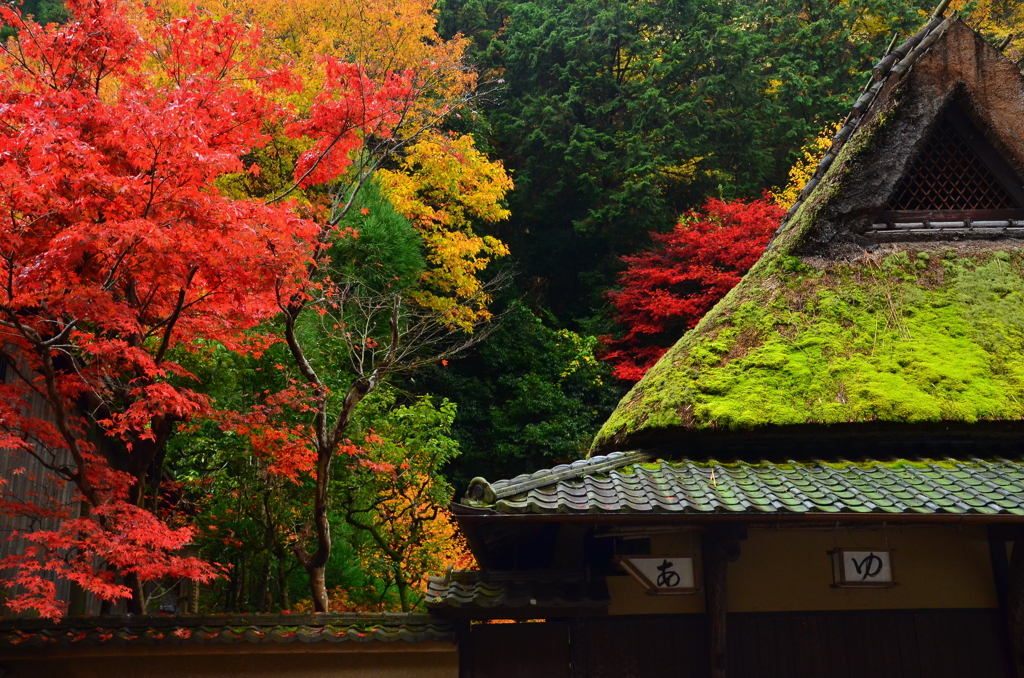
(666, 291)
(117, 250)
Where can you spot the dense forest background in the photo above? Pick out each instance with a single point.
(615, 118)
(625, 126)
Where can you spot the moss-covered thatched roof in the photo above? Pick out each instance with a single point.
(840, 324)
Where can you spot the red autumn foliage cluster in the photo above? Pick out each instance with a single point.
(667, 290)
(351, 105)
(118, 249)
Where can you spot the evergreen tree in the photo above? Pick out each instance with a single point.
(616, 117)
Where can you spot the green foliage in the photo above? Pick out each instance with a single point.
(530, 396)
(386, 253)
(618, 116)
(911, 338)
(247, 516)
(242, 512)
(44, 12)
(391, 498)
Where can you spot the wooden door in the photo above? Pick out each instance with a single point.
(519, 650)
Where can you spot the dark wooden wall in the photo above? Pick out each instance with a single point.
(637, 647)
(520, 650)
(875, 644)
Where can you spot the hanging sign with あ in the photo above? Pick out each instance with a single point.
(862, 568)
(662, 574)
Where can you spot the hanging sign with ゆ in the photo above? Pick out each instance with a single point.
(862, 568)
(662, 574)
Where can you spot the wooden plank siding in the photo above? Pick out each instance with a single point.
(27, 479)
(655, 645)
(848, 644)
(881, 644)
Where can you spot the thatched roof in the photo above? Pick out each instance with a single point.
(849, 319)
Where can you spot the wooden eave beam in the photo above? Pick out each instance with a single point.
(482, 516)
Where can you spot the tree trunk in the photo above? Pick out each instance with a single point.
(282, 581)
(79, 598)
(77, 602)
(316, 563)
(403, 590)
(265, 598)
(137, 603)
(106, 606)
(318, 586)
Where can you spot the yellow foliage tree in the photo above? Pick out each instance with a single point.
(382, 36)
(998, 19)
(803, 169)
(443, 184)
(442, 547)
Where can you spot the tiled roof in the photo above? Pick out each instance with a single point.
(35, 634)
(982, 487)
(515, 592)
(487, 493)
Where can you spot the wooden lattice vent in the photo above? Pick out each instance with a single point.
(957, 179)
(949, 175)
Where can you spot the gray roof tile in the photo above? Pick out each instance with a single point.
(514, 593)
(632, 483)
(32, 635)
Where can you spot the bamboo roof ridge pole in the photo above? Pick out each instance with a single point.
(941, 9)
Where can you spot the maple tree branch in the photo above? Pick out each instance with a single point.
(63, 471)
(369, 528)
(61, 336)
(112, 278)
(291, 339)
(165, 341)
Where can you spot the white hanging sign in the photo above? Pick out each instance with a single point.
(862, 568)
(662, 574)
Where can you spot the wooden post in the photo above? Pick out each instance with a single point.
(716, 567)
(1000, 577)
(1015, 605)
(464, 636)
(721, 546)
(578, 648)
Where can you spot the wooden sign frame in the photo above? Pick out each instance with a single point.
(627, 563)
(839, 571)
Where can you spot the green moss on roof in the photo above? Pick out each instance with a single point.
(918, 335)
(913, 337)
